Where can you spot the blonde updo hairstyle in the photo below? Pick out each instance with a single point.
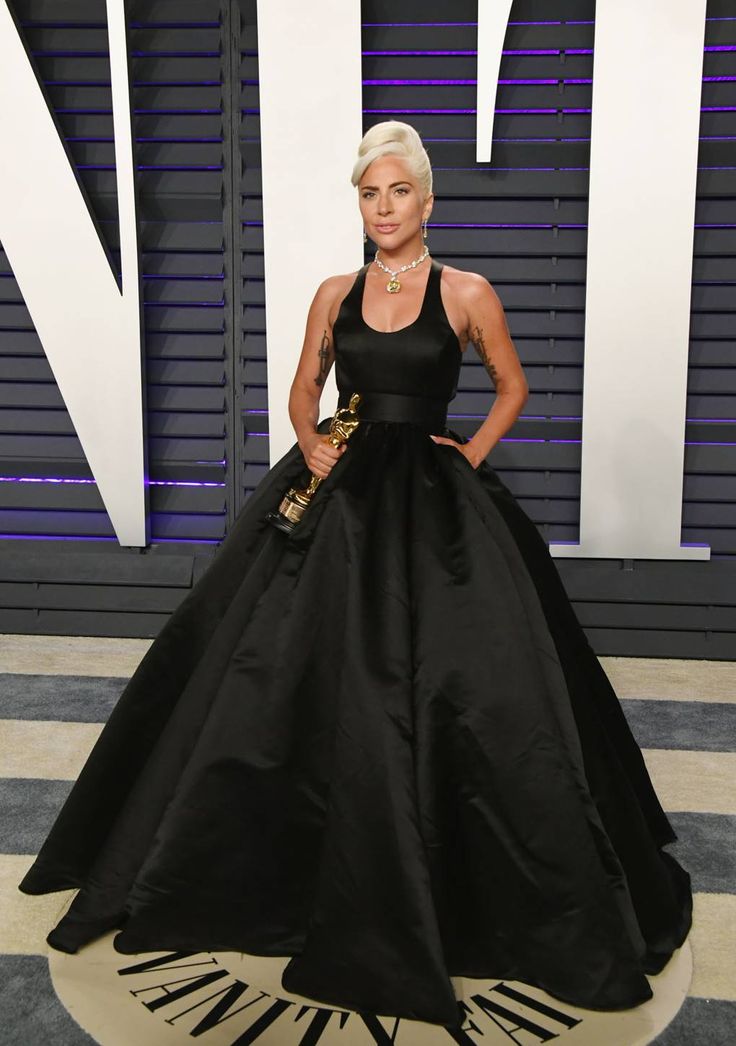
(398, 139)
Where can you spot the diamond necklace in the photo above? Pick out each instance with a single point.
(393, 285)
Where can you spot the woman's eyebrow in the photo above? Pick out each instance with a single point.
(390, 186)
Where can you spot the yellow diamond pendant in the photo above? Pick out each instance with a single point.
(393, 286)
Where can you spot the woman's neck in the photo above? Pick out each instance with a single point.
(403, 255)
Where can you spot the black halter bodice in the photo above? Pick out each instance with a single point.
(408, 375)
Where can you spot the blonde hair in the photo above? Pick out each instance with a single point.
(392, 137)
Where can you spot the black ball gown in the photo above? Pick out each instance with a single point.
(382, 744)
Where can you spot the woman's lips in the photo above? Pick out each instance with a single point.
(386, 228)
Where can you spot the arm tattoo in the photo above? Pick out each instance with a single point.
(324, 360)
(477, 337)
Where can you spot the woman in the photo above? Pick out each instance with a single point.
(393, 216)
(380, 743)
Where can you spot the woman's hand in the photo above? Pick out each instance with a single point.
(467, 451)
(319, 453)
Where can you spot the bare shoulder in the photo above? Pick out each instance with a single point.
(332, 290)
(466, 286)
(465, 294)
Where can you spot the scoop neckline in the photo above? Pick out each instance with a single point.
(408, 325)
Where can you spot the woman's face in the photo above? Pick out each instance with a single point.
(391, 202)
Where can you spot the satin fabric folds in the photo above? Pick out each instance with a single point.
(380, 745)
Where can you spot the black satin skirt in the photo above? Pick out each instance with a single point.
(383, 746)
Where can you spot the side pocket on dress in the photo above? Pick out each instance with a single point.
(459, 453)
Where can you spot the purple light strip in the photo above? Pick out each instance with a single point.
(173, 25)
(184, 304)
(418, 82)
(407, 51)
(492, 225)
(194, 276)
(688, 442)
(431, 25)
(44, 479)
(184, 483)
(174, 54)
(479, 167)
(445, 112)
(577, 417)
(494, 168)
(55, 537)
(530, 81)
(439, 112)
(555, 51)
(93, 483)
(143, 112)
(101, 537)
(155, 112)
(532, 51)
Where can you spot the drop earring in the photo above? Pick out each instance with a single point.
(365, 236)
(425, 228)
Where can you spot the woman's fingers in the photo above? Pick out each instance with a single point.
(325, 457)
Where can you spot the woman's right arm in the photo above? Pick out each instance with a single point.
(315, 363)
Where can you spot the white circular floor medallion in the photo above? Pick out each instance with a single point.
(230, 999)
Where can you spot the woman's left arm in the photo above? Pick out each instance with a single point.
(488, 330)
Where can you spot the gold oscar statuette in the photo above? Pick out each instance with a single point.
(295, 502)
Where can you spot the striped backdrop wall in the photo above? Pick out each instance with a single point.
(521, 223)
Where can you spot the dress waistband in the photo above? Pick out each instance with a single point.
(425, 411)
